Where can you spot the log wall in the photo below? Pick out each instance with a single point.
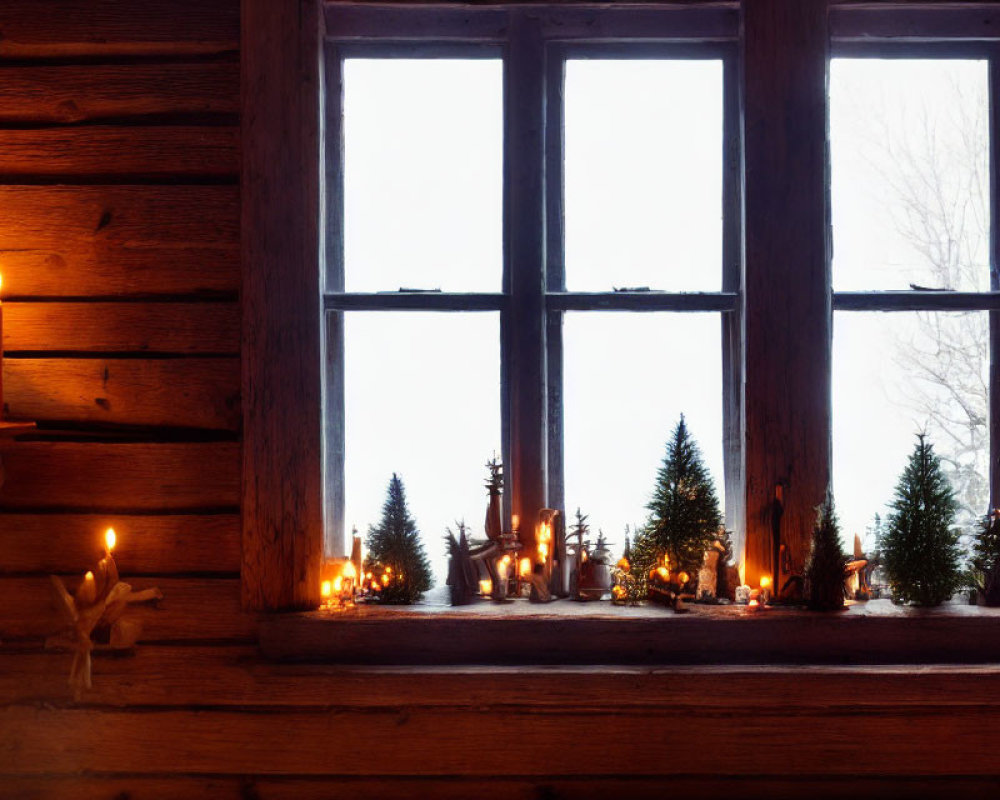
(119, 248)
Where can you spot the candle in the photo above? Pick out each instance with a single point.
(765, 589)
(514, 521)
(525, 567)
(325, 591)
(485, 587)
(107, 569)
(86, 595)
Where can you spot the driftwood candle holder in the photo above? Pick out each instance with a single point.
(94, 616)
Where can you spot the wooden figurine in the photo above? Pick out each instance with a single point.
(595, 572)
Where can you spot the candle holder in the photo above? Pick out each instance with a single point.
(94, 615)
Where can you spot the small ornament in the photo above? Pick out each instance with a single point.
(94, 615)
(539, 585)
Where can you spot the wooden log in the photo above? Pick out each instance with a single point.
(73, 28)
(126, 477)
(138, 153)
(66, 94)
(196, 676)
(147, 544)
(282, 364)
(449, 741)
(188, 393)
(584, 787)
(84, 241)
(870, 635)
(787, 300)
(192, 609)
(179, 328)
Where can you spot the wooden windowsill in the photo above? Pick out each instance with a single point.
(569, 633)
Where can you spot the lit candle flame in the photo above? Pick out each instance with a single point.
(349, 571)
(338, 584)
(485, 586)
(525, 569)
(765, 581)
(110, 539)
(325, 590)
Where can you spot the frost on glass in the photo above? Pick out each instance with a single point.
(643, 174)
(910, 183)
(628, 378)
(422, 399)
(897, 374)
(423, 173)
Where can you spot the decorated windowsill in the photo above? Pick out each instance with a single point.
(578, 633)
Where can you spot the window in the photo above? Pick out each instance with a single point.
(542, 186)
(910, 150)
(775, 297)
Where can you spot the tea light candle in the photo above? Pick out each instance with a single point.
(485, 587)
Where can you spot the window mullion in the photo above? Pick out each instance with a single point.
(555, 268)
(524, 280)
(732, 322)
(787, 283)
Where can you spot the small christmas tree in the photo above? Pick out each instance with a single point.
(395, 551)
(684, 511)
(825, 569)
(920, 551)
(986, 559)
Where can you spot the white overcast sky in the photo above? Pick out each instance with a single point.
(423, 209)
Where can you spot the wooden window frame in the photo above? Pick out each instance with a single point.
(778, 409)
(533, 297)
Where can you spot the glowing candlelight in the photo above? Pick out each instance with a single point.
(486, 587)
(325, 590)
(338, 584)
(110, 539)
(514, 522)
(525, 567)
(765, 589)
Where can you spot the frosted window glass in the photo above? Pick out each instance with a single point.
(422, 399)
(910, 182)
(628, 378)
(643, 174)
(423, 170)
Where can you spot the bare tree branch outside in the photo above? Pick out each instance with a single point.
(922, 129)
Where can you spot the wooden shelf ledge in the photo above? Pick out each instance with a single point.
(871, 633)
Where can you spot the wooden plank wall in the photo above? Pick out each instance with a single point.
(119, 248)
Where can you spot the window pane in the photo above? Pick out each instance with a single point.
(423, 401)
(628, 378)
(423, 174)
(643, 174)
(910, 184)
(894, 375)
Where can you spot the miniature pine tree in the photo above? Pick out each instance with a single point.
(684, 511)
(825, 569)
(395, 550)
(986, 558)
(920, 551)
